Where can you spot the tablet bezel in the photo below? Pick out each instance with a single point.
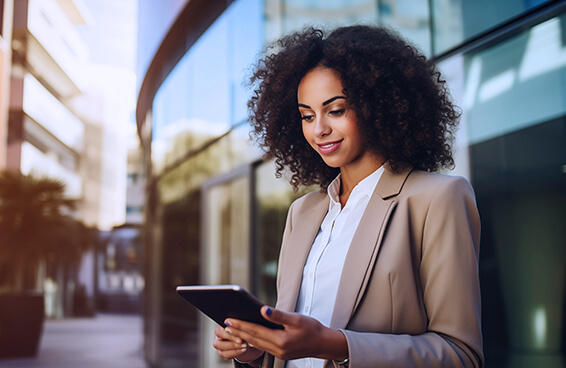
(219, 302)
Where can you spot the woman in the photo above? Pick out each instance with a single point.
(380, 267)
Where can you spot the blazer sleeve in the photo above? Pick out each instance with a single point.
(448, 275)
(286, 234)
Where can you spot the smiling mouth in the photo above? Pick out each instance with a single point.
(329, 147)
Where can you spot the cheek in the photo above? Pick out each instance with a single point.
(358, 142)
(307, 132)
(309, 136)
(352, 129)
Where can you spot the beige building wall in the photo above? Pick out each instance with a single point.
(65, 111)
(6, 12)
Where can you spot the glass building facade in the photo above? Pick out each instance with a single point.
(215, 211)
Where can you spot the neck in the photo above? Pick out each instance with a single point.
(351, 176)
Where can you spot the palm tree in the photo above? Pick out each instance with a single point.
(35, 224)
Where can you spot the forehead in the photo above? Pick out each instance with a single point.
(318, 85)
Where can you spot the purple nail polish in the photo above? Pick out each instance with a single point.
(268, 311)
(227, 323)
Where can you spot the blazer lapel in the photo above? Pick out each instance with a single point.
(306, 224)
(365, 245)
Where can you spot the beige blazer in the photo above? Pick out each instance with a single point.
(409, 292)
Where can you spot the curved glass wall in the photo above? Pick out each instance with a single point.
(203, 97)
(198, 134)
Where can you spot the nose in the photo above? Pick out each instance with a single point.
(321, 128)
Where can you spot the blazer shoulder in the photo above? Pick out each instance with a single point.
(427, 181)
(310, 201)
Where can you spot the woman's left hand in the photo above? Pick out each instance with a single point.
(301, 337)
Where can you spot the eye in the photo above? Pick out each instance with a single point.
(338, 112)
(307, 118)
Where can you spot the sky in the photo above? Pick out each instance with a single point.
(111, 35)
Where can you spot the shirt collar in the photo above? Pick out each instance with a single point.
(364, 187)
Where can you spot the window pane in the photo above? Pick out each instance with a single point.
(514, 105)
(246, 39)
(273, 198)
(285, 16)
(455, 21)
(226, 246)
(521, 192)
(518, 83)
(409, 17)
(204, 95)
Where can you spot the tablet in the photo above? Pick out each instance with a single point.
(225, 301)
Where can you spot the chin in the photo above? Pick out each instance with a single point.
(332, 164)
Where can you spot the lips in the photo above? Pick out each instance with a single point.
(328, 147)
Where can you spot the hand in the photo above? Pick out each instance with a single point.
(301, 337)
(230, 347)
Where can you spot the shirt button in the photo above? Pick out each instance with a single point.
(311, 275)
(306, 309)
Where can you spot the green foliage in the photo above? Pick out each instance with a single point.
(35, 225)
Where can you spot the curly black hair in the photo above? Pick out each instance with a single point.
(402, 105)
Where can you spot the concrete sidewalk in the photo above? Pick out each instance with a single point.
(105, 341)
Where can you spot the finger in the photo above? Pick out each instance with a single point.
(266, 340)
(248, 355)
(256, 336)
(228, 349)
(231, 354)
(279, 317)
(225, 334)
(235, 327)
(228, 345)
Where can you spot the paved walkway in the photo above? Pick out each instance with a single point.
(106, 341)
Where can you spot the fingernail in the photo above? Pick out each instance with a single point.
(244, 345)
(229, 331)
(268, 311)
(227, 323)
(243, 350)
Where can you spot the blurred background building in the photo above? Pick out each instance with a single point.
(215, 213)
(63, 108)
(5, 67)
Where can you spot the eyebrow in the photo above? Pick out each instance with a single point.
(325, 102)
(332, 100)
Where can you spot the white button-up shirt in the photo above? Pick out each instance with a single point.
(323, 268)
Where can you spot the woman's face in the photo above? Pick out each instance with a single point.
(329, 125)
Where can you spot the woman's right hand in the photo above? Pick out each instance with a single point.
(232, 347)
